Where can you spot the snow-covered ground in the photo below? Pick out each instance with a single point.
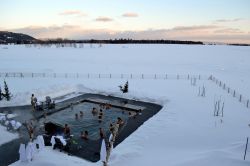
(228, 63)
(6, 136)
(184, 132)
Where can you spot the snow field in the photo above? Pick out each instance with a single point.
(184, 132)
(185, 128)
(6, 136)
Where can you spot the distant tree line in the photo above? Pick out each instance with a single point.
(239, 44)
(19, 38)
(118, 41)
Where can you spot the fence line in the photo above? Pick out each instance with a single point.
(101, 76)
(221, 84)
(231, 91)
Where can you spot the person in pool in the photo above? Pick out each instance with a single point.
(100, 113)
(85, 135)
(76, 116)
(139, 112)
(66, 131)
(99, 118)
(111, 128)
(120, 121)
(31, 131)
(115, 128)
(101, 132)
(81, 114)
(94, 111)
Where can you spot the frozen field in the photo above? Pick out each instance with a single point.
(183, 133)
(229, 64)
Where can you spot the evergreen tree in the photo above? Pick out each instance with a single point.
(7, 92)
(124, 89)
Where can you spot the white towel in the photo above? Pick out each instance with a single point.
(2, 114)
(62, 140)
(52, 141)
(103, 152)
(13, 123)
(10, 116)
(34, 148)
(111, 144)
(6, 123)
(2, 118)
(22, 153)
(30, 151)
(40, 142)
(17, 125)
(110, 137)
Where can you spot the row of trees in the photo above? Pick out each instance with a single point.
(95, 41)
(6, 93)
(117, 41)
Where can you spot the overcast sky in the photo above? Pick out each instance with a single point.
(205, 20)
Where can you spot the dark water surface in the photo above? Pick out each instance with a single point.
(88, 122)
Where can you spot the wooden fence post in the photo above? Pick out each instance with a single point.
(246, 149)
(188, 76)
(77, 75)
(155, 76)
(142, 76)
(222, 110)
(199, 77)
(99, 75)
(240, 98)
(110, 76)
(247, 103)
(228, 90)
(166, 76)
(88, 75)
(234, 94)
(131, 76)
(178, 77)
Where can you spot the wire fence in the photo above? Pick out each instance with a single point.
(101, 76)
(221, 84)
(231, 91)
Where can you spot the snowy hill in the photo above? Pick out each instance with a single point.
(18, 38)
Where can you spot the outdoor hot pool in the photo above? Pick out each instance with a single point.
(133, 113)
(89, 121)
